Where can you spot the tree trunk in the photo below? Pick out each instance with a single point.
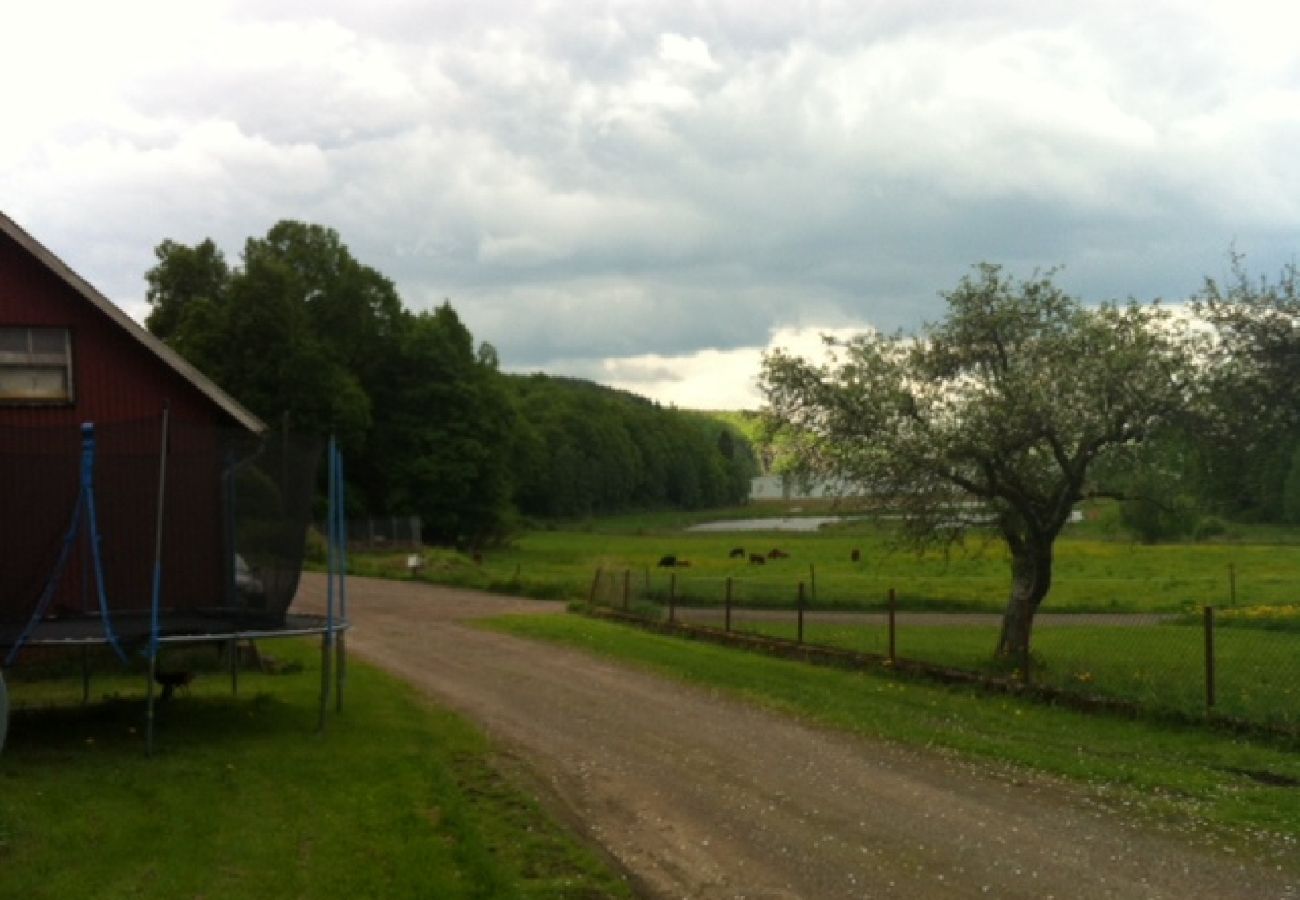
(1031, 578)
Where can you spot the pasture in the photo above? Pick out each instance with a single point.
(1094, 572)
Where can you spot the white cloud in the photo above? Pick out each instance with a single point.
(705, 379)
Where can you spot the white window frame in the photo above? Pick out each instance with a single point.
(15, 364)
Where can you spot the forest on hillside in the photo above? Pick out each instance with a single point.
(302, 331)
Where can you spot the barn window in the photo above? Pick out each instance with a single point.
(35, 365)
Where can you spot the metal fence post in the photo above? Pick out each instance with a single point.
(1209, 658)
(800, 606)
(893, 608)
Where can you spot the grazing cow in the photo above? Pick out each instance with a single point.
(776, 553)
(738, 553)
(856, 555)
(757, 559)
(668, 562)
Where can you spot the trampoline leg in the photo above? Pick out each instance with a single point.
(232, 651)
(341, 670)
(4, 710)
(148, 715)
(324, 678)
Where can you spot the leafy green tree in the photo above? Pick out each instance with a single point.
(995, 414)
(187, 281)
(303, 330)
(1253, 422)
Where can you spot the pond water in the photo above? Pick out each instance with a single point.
(788, 523)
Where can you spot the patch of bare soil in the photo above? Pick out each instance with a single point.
(698, 795)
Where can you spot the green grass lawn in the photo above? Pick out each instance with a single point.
(1181, 778)
(243, 799)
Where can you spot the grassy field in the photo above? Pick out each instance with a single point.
(1212, 787)
(1159, 666)
(1095, 570)
(243, 799)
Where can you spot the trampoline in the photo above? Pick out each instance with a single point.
(145, 535)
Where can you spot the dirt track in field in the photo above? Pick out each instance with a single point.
(701, 796)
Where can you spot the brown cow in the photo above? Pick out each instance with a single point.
(738, 553)
(856, 554)
(776, 553)
(757, 559)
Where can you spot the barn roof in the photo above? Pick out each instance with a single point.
(167, 355)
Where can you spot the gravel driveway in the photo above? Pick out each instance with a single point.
(701, 796)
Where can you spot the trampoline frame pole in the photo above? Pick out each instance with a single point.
(341, 531)
(4, 710)
(157, 576)
(325, 642)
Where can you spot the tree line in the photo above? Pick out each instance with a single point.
(302, 332)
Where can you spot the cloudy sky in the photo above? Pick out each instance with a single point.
(648, 194)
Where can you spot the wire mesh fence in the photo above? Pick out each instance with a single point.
(1241, 663)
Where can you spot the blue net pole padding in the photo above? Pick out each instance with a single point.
(85, 502)
(92, 521)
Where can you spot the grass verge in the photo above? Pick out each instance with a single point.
(243, 799)
(1212, 787)
(1160, 666)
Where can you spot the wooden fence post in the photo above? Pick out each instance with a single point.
(726, 622)
(595, 583)
(672, 597)
(627, 588)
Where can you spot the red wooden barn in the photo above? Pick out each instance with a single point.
(69, 356)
